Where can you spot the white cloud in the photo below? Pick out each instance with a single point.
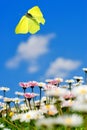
(61, 67)
(30, 51)
(33, 69)
(13, 63)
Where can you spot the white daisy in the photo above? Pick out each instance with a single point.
(6, 129)
(80, 90)
(4, 89)
(56, 92)
(70, 120)
(45, 122)
(78, 106)
(2, 126)
(84, 69)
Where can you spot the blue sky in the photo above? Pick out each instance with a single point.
(57, 50)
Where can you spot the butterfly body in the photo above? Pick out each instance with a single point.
(29, 15)
(30, 22)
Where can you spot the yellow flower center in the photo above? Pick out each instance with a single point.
(28, 116)
(70, 102)
(83, 91)
(40, 84)
(16, 100)
(37, 116)
(68, 120)
(11, 114)
(48, 106)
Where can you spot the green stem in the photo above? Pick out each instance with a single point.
(68, 128)
(11, 123)
(70, 86)
(32, 89)
(40, 96)
(58, 105)
(85, 121)
(4, 92)
(86, 78)
(24, 89)
(29, 103)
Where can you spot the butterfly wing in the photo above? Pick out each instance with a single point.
(26, 25)
(33, 26)
(22, 26)
(37, 14)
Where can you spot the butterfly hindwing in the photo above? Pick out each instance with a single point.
(33, 26)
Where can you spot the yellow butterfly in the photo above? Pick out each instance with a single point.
(30, 22)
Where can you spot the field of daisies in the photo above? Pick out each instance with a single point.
(58, 105)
